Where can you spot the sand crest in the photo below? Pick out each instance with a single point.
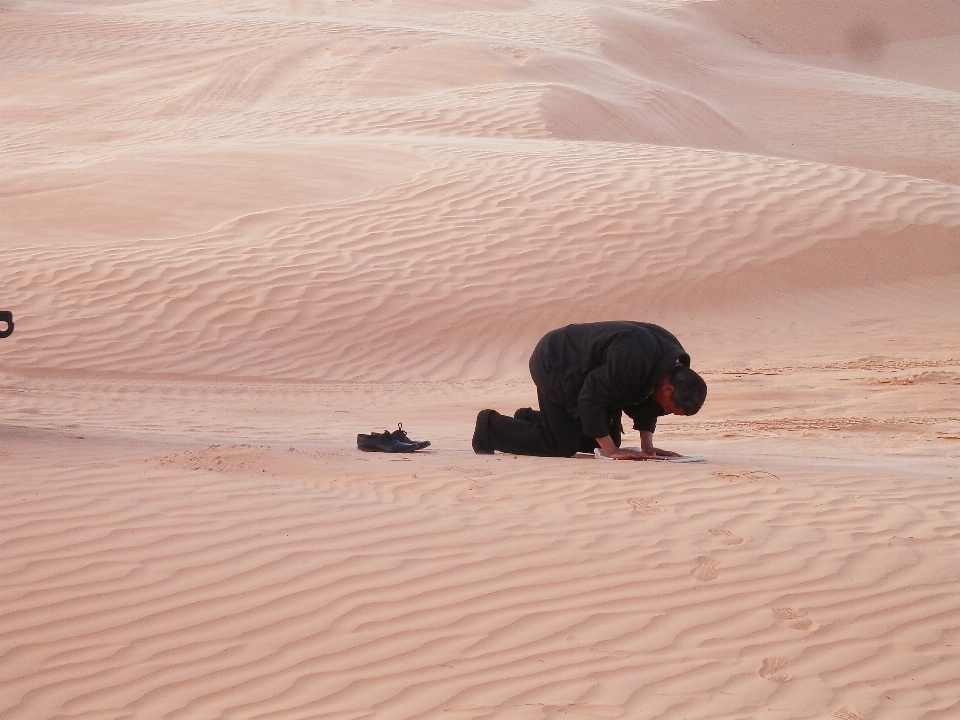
(236, 234)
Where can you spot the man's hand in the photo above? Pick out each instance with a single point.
(664, 453)
(646, 444)
(612, 451)
(634, 455)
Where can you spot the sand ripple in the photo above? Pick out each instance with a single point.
(235, 234)
(187, 585)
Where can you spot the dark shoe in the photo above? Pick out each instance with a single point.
(400, 435)
(384, 442)
(528, 415)
(481, 442)
(6, 317)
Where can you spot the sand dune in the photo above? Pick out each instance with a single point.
(306, 292)
(236, 234)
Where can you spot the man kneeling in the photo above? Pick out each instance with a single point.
(586, 376)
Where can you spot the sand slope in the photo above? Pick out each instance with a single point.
(235, 234)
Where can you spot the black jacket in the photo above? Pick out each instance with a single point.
(599, 369)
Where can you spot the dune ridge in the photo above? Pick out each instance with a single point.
(235, 234)
(312, 274)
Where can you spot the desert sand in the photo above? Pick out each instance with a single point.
(235, 234)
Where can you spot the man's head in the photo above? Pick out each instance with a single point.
(680, 392)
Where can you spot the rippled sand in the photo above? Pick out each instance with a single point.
(235, 234)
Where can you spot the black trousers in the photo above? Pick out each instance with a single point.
(551, 432)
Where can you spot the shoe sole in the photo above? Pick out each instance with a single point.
(392, 450)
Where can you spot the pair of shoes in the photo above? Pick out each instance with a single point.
(481, 441)
(390, 442)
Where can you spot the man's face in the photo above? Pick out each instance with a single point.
(663, 396)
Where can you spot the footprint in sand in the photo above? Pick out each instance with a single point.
(706, 569)
(643, 507)
(726, 537)
(794, 618)
(769, 669)
(846, 713)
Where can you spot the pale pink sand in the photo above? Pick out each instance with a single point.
(235, 234)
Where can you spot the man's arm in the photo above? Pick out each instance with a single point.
(622, 370)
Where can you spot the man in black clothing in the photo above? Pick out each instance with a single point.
(586, 376)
